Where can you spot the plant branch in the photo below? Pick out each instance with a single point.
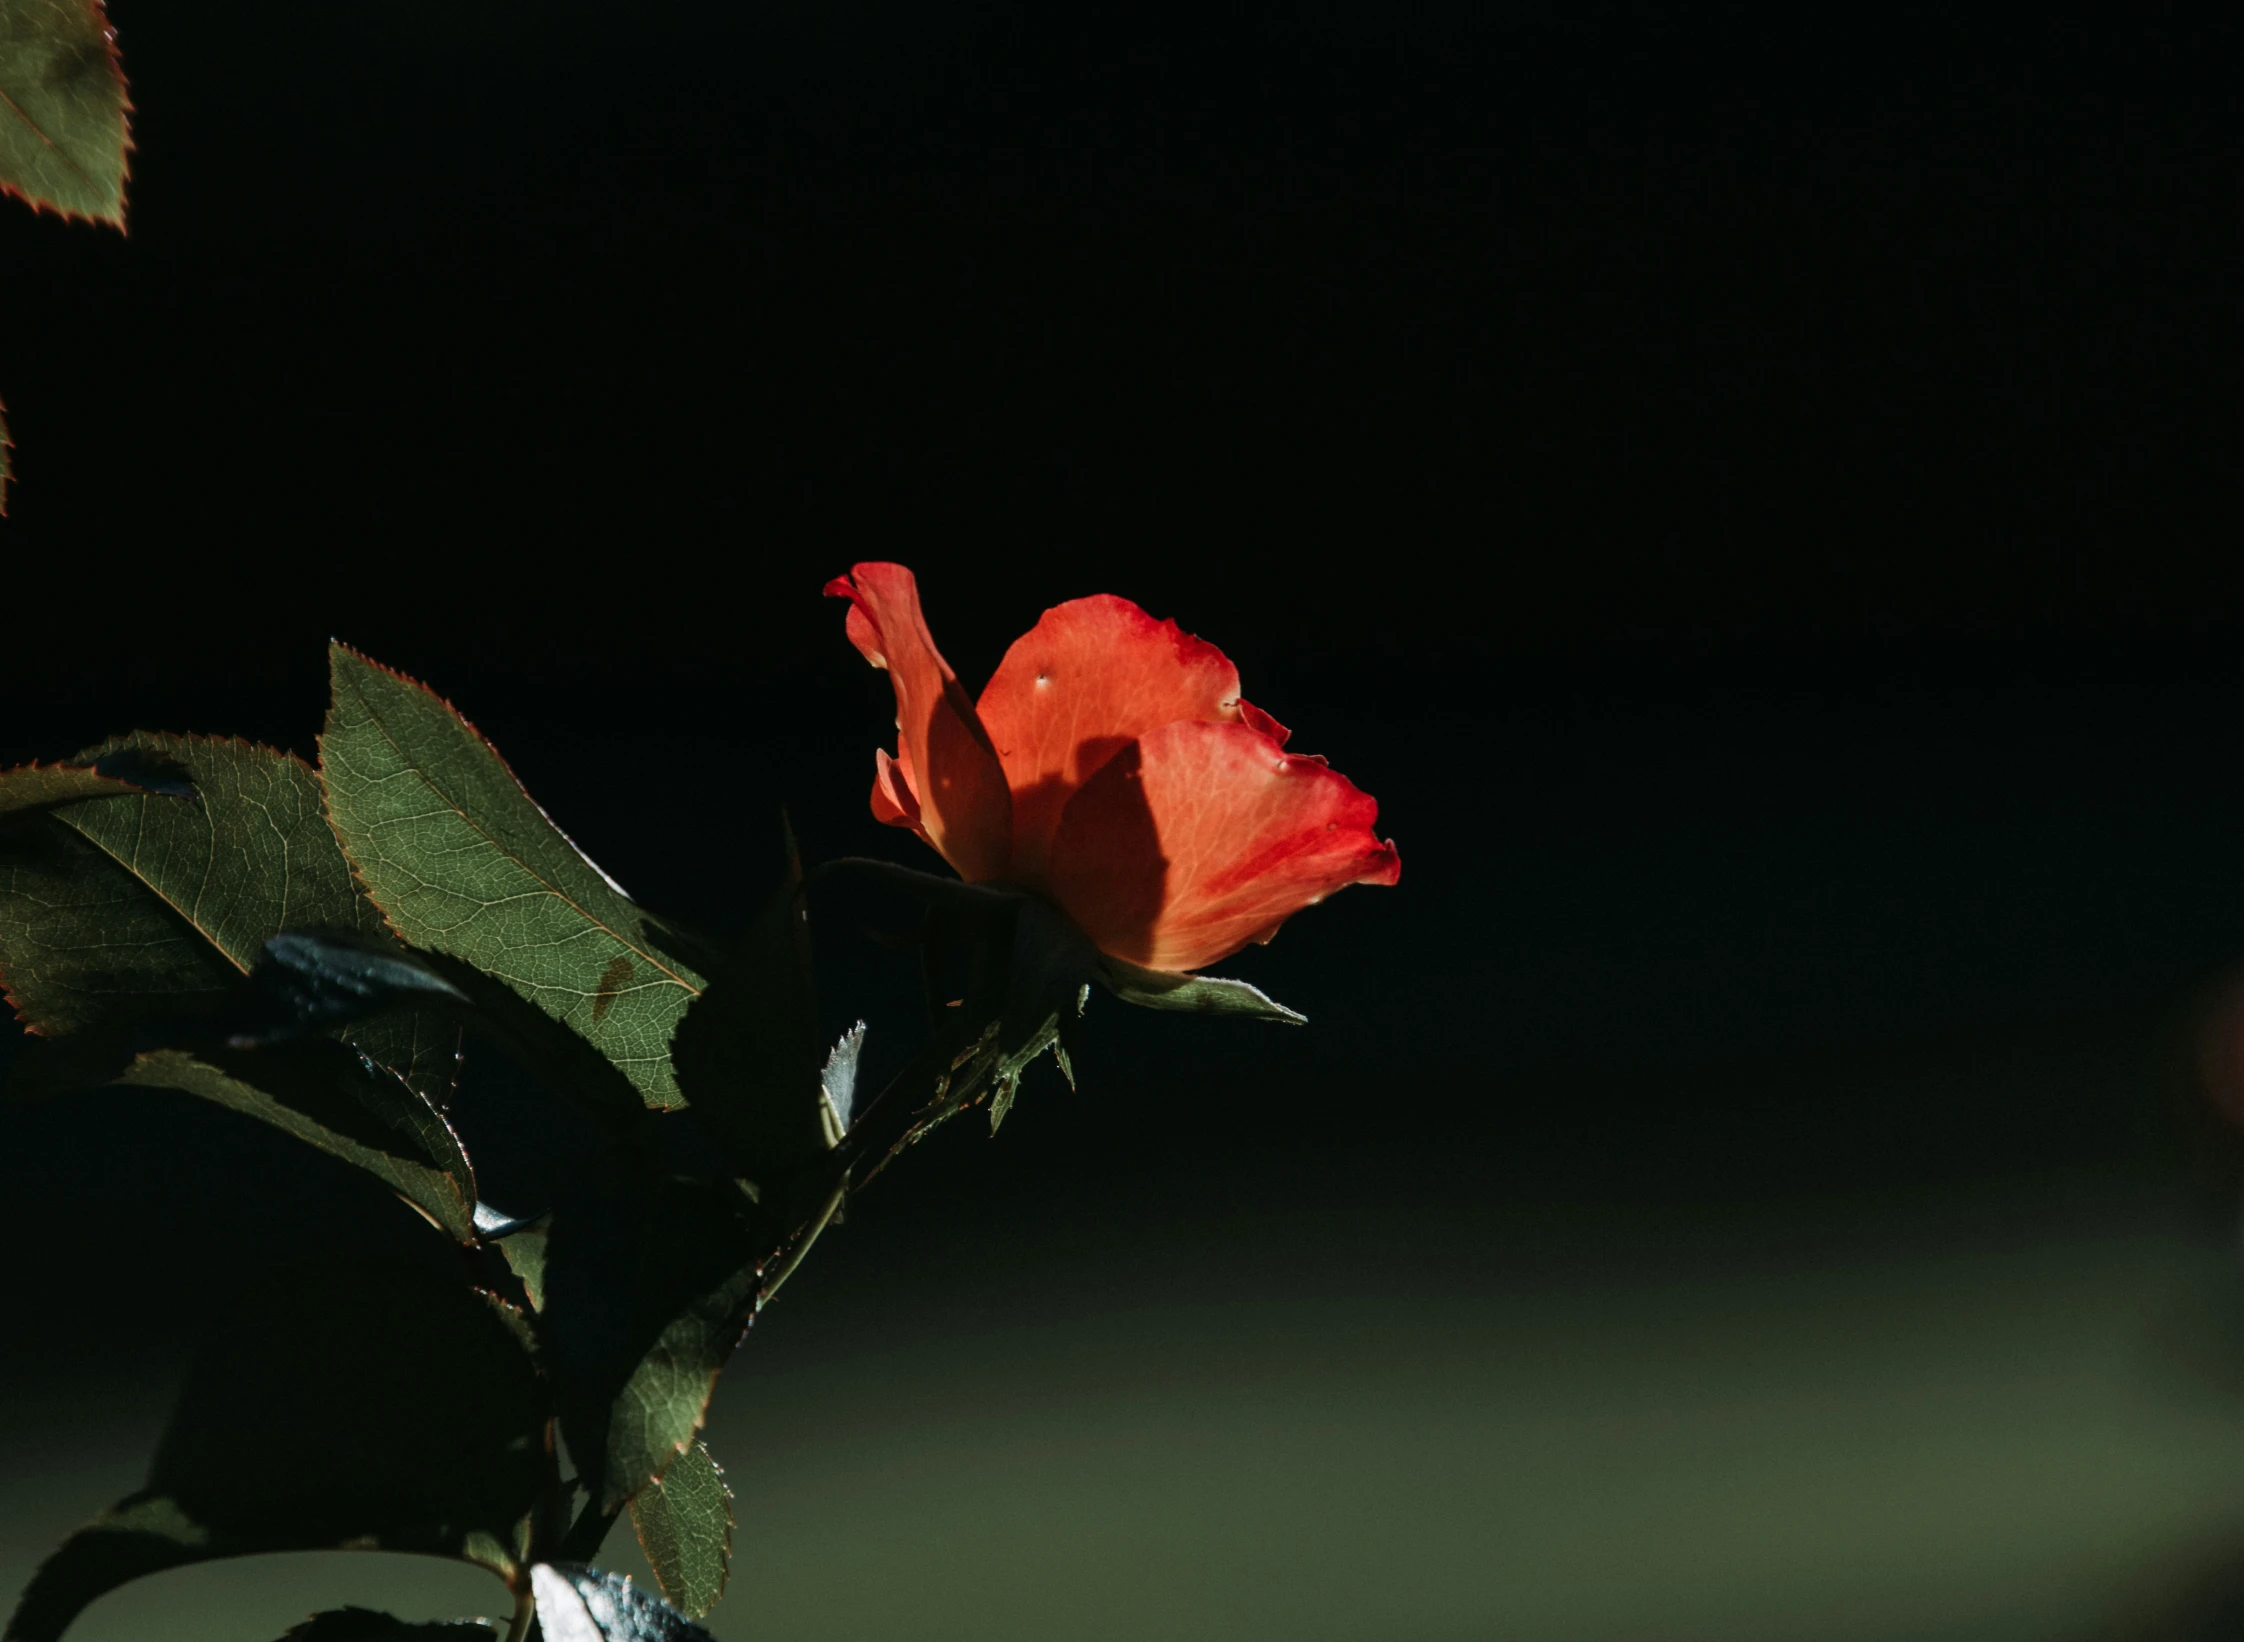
(887, 1123)
(524, 1626)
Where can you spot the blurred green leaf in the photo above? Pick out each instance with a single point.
(684, 1522)
(375, 1407)
(649, 1285)
(121, 909)
(365, 1625)
(580, 1604)
(464, 862)
(63, 109)
(323, 1094)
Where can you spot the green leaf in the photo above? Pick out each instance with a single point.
(374, 1407)
(122, 774)
(365, 1625)
(64, 130)
(463, 862)
(324, 1095)
(649, 1285)
(684, 1521)
(1206, 994)
(122, 909)
(580, 1604)
(525, 1257)
(84, 944)
(136, 911)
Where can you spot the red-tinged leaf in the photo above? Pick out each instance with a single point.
(65, 117)
(462, 862)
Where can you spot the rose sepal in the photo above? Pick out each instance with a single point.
(1202, 994)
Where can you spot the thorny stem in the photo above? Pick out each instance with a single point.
(792, 1256)
(876, 1134)
(881, 1128)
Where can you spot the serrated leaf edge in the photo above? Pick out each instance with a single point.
(47, 208)
(732, 1526)
(327, 811)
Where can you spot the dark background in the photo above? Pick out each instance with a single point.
(1754, 497)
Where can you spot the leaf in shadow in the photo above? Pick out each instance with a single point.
(325, 1095)
(558, 1059)
(524, 1252)
(649, 1285)
(84, 945)
(1021, 970)
(142, 907)
(252, 1053)
(684, 1521)
(580, 1604)
(374, 1407)
(462, 861)
(746, 1051)
(309, 980)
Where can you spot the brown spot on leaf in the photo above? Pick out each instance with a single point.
(613, 979)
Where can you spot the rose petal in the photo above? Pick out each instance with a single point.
(1250, 714)
(1199, 838)
(894, 802)
(945, 782)
(1088, 679)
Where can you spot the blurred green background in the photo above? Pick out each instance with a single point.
(2009, 1414)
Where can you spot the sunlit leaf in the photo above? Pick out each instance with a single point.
(128, 908)
(374, 1408)
(579, 1604)
(684, 1522)
(64, 130)
(463, 862)
(649, 1286)
(366, 1625)
(837, 1082)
